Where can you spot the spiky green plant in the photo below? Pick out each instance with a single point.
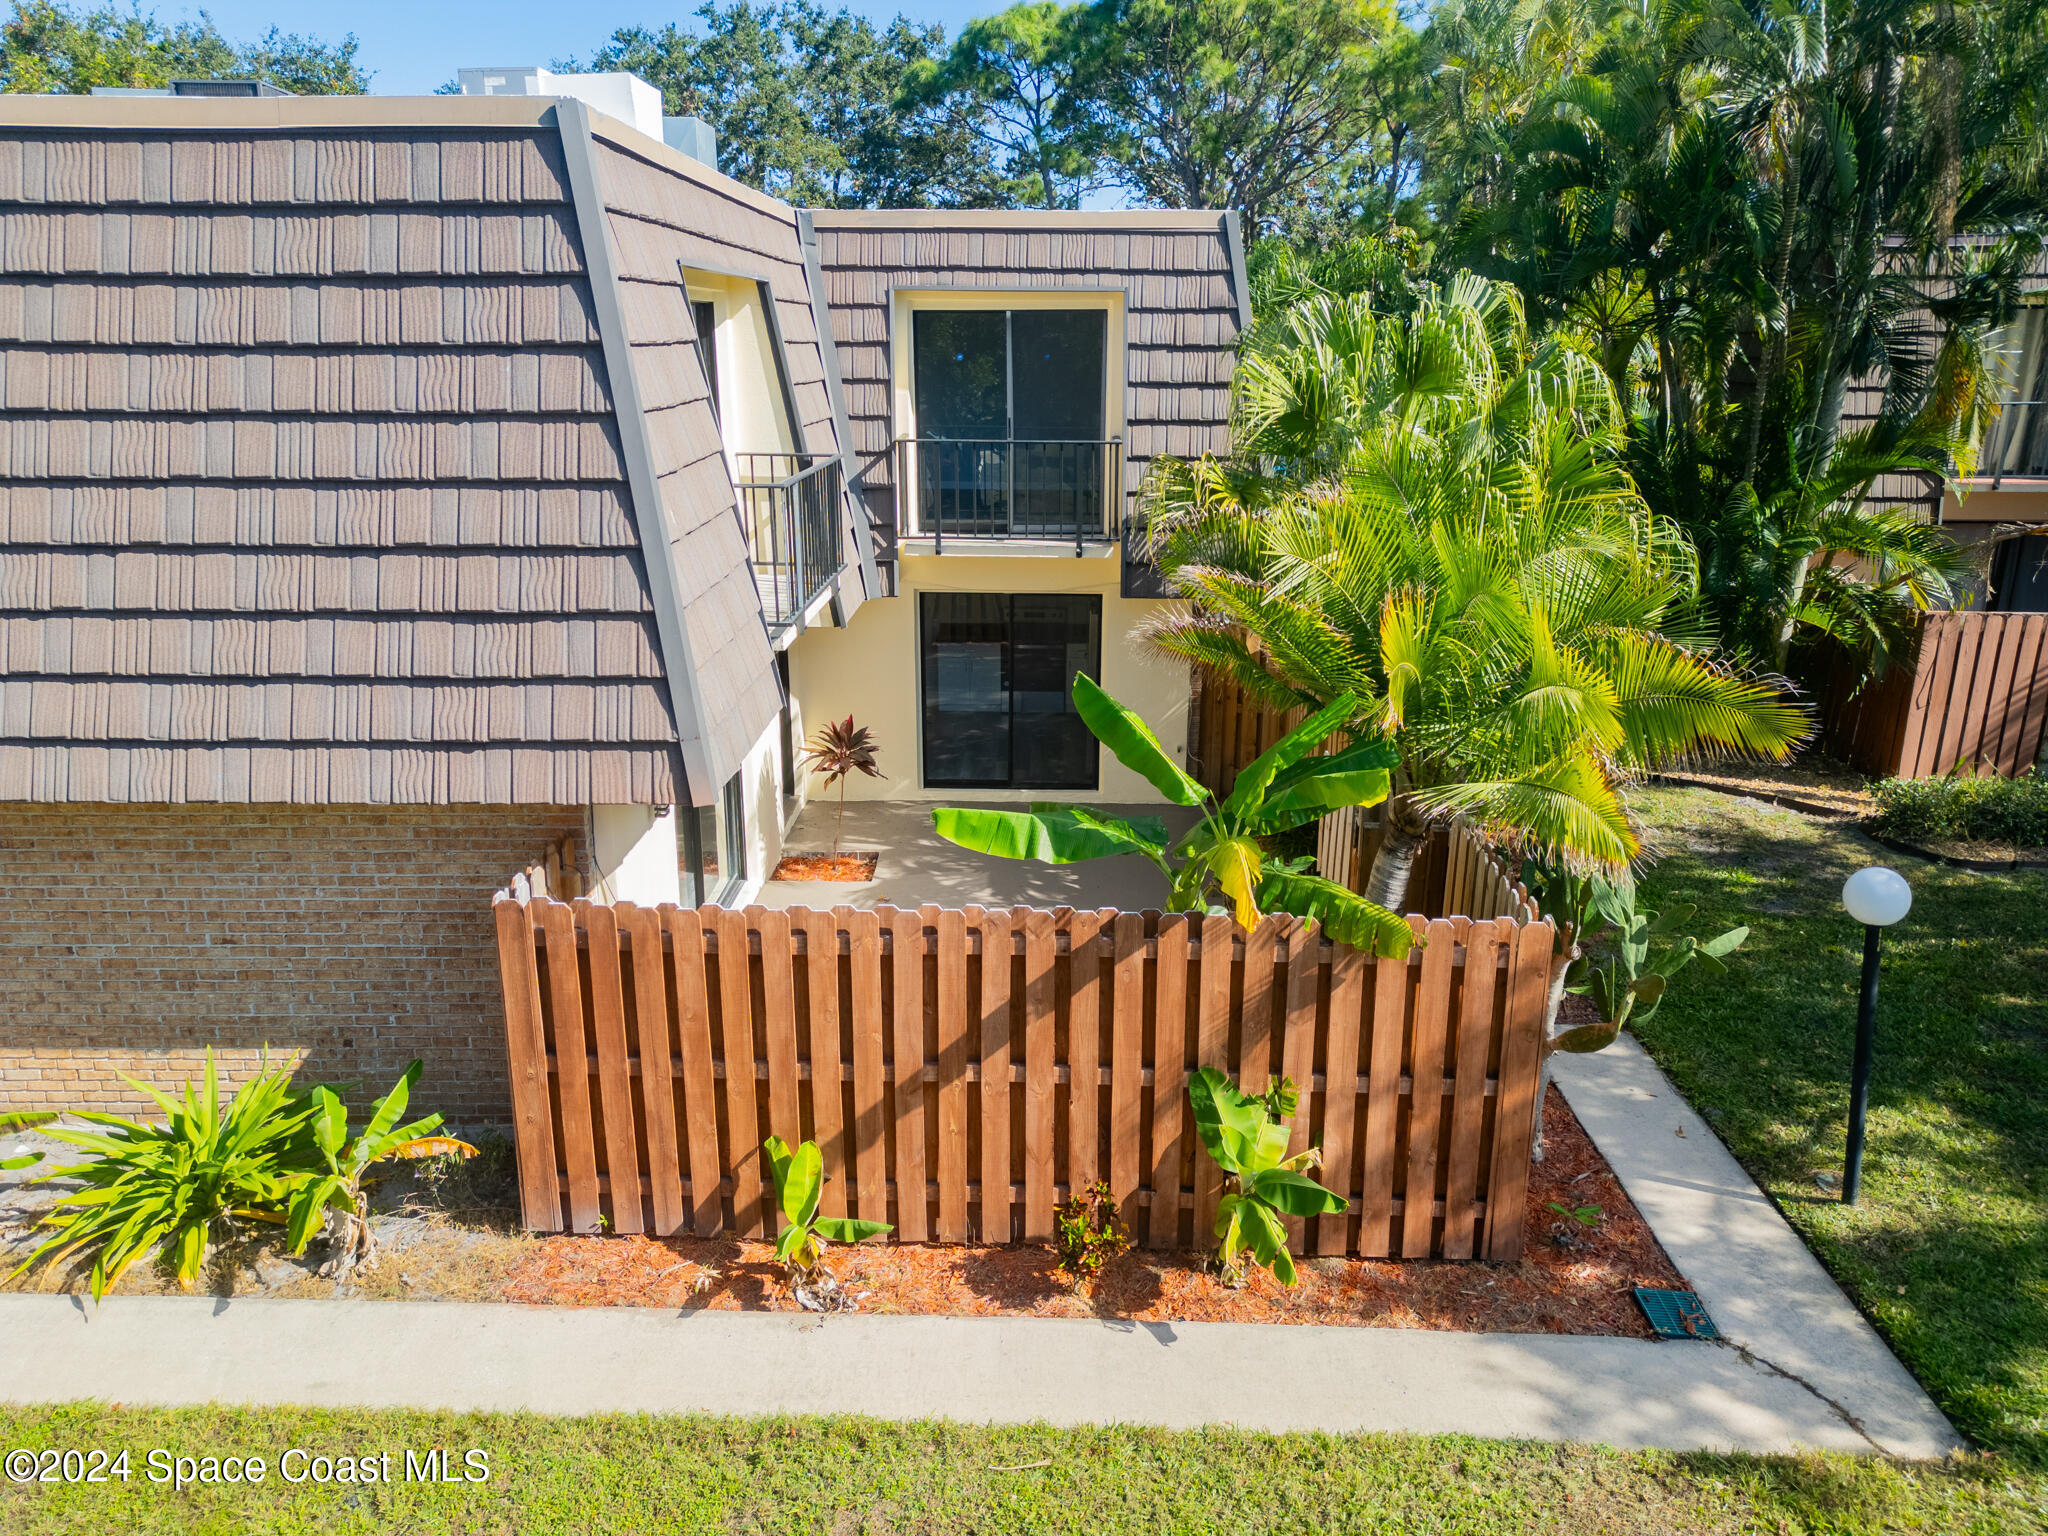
(180, 1185)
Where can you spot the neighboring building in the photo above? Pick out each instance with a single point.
(392, 490)
(2001, 510)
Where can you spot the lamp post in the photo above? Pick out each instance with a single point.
(1876, 897)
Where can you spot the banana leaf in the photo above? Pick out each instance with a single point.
(1132, 743)
(1047, 836)
(1253, 779)
(1346, 917)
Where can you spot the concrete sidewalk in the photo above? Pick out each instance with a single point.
(1624, 1392)
(1813, 1374)
(1761, 1284)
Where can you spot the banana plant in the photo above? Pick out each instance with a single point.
(1247, 1138)
(799, 1181)
(1221, 856)
(1628, 978)
(333, 1198)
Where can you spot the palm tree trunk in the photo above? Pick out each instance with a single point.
(1402, 838)
(1771, 365)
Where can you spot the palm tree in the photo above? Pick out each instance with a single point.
(1429, 512)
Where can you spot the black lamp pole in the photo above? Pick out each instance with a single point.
(1859, 1085)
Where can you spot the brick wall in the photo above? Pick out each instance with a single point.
(347, 938)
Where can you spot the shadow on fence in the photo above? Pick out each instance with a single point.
(965, 1070)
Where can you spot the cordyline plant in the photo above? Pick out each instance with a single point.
(799, 1182)
(835, 750)
(1283, 789)
(333, 1198)
(1247, 1138)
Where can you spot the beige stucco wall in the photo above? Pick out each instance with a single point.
(870, 670)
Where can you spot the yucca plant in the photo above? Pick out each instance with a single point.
(1284, 788)
(23, 1120)
(836, 750)
(180, 1185)
(330, 1196)
(1247, 1139)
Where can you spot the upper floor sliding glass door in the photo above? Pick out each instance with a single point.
(1010, 422)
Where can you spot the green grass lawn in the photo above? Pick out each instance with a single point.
(846, 1476)
(1947, 1249)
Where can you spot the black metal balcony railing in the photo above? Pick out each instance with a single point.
(1007, 488)
(2016, 446)
(789, 509)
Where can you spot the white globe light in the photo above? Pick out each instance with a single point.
(1877, 897)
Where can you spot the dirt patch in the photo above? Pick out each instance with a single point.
(827, 866)
(1574, 1278)
(1811, 784)
(456, 1239)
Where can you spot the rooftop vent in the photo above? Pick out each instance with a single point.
(195, 88)
(624, 96)
(693, 136)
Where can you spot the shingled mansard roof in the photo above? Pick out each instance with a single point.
(343, 462)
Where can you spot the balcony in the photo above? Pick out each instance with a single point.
(789, 511)
(2016, 445)
(981, 490)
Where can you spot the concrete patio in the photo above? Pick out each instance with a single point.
(917, 866)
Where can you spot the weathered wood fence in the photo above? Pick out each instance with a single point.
(1970, 694)
(964, 1071)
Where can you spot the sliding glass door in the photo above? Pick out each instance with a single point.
(997, 673)
(1010, 421)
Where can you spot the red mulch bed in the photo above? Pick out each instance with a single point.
(1571, 1279)
(825, 866)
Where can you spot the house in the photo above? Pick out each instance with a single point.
(396, 493)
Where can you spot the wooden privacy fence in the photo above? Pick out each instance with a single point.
(1455, 872)
(965, 1070)
(1971, 693)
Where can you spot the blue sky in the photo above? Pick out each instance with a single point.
(415, 45)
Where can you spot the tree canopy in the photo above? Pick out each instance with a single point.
(49, 47)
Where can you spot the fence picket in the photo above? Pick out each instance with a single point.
(1382, 1108)
(1084, 1051)
(828, 1078)
(1521, 1052)
(906, 970)
(1348, 970)
(572, 1066)
(620, 1140)
(526, 1048)
(1468, 1098)
(1040, 981)
(736, 1048)
(1169, 1080)
(1219, 935)
(997, 965)
(685, 927)
(952, 1148)
(1426, 1086)
(870, 1139)
(1298, 1046)
(1127, 1065)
